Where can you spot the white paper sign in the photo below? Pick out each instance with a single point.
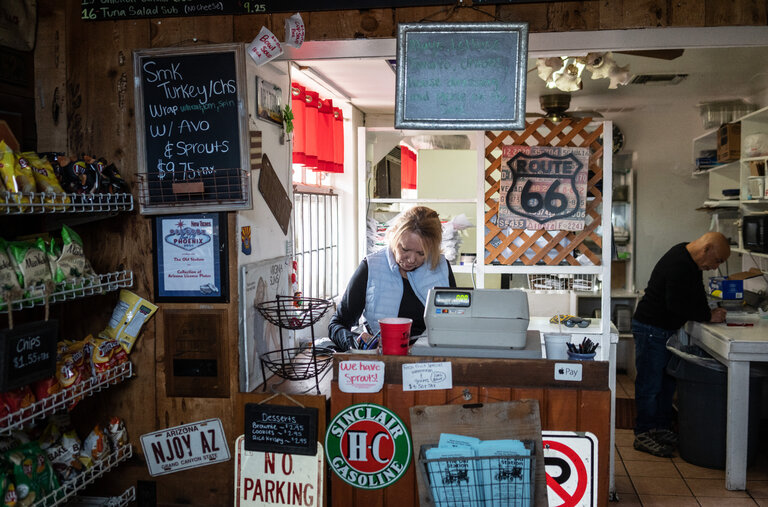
(272, 479)
(187, 446)
(294, 31)
(361, 376)
(264, 47)
(427, 376)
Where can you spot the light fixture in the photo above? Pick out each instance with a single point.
(565, 72)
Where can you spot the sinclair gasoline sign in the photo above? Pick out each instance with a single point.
(543, 187)
(368, 446)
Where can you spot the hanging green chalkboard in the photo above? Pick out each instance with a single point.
(462, 76)
(192, 129)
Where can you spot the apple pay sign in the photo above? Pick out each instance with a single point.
(568, 371)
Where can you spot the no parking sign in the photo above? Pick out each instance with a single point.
(570, 460)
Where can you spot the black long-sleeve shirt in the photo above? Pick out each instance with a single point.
(353, 303)
(675, 292)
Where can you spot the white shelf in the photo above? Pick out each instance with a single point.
(72, 288)
(421, 201)
(67, 491)
(731, 203)
(749, 252)
(714, 168)
(64, 398)
(23, 203)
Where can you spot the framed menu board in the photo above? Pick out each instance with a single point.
(461, 76)
(191, 128)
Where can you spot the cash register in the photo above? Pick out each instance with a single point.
(478, 323)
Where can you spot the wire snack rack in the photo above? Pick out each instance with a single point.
(503, 479)
(293, 313)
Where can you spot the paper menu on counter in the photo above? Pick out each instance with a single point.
(505, 475)
(454, 481)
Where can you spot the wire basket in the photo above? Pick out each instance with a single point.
(503, 479)
(289, 312)
(575, 282)
(298, 364)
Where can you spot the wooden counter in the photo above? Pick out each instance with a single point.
(563, 406)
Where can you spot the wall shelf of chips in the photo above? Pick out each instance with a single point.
(71, 288)
(65, 399)
(68, 490)
(22, 203)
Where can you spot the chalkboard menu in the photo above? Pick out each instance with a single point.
(192, 129)
(28, 353)
(283, 429)
(462, 76)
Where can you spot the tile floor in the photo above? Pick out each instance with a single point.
(643, 479)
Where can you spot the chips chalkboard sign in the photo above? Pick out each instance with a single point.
(278, 428)
(28, 353)
(461, 76)
(192, 129)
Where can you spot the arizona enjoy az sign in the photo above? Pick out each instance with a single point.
(368, 446)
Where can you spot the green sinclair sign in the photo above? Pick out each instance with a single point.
(368, 446)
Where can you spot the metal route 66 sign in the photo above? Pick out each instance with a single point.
(543, 187)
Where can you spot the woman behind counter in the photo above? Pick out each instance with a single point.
(395, 280)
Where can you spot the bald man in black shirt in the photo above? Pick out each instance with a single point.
(675, 295)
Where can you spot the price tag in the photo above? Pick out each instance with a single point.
(28, 353)
(427, 376)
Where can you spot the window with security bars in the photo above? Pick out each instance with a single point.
(316, 242)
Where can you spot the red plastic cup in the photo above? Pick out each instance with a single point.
(395, 333)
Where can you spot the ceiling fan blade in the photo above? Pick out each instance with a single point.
(661, 54)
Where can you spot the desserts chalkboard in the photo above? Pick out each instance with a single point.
(278, 428)
(191, 129)
(465, 76)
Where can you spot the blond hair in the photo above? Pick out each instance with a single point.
(423, 221)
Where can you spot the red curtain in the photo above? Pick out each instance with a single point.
(325, 136)
(407, 168)
(338, 141)
(312, 102)
(298, 102)
(318, 139)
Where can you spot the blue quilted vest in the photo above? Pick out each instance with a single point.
(385, 286)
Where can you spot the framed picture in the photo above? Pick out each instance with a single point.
(190, 258)
(269, 101)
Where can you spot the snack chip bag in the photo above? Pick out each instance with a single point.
(118, 436)
(70, 262)
(9, 278)
(7, 161)
(64, 457)
(95, 447)
(44, 389)
(105, 355)
(31, 264)
(128, 317)
(25, 181)
(72, 368)
(45, 179)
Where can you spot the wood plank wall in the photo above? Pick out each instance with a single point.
(562, 407)
(84, 104)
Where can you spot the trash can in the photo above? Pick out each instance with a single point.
(702, 402)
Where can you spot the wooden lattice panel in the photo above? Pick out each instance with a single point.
(502, 245)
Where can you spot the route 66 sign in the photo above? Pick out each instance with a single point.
(543, 187)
